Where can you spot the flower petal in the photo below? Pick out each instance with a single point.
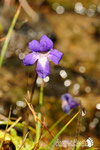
(66, 107)
(30, 59)
(55, 56)
(67, 97)
(35, 46)
(46, 43)
(43, 67)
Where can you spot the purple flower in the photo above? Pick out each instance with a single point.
(42, 52)
(68, 102)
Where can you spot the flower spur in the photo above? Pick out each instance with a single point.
(42, 52)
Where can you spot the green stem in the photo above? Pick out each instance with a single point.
(38, 126)
(3, 51)
(7, 125)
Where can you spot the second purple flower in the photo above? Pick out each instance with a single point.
(42, 52)
(69, 103)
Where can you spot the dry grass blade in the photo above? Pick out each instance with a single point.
(29, 10)
(14, 124)
(23, 141)
(33, 112)
(28, 94)
(27, 110)
(7, 4)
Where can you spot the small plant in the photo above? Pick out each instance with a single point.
(68, 103)
(42, 52)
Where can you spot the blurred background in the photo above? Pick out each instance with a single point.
(74, 27)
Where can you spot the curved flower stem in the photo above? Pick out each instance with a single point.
(33, 88)
(54, 125)
(58, 134)
(78, 126)
(27, 111)
(38, 126)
